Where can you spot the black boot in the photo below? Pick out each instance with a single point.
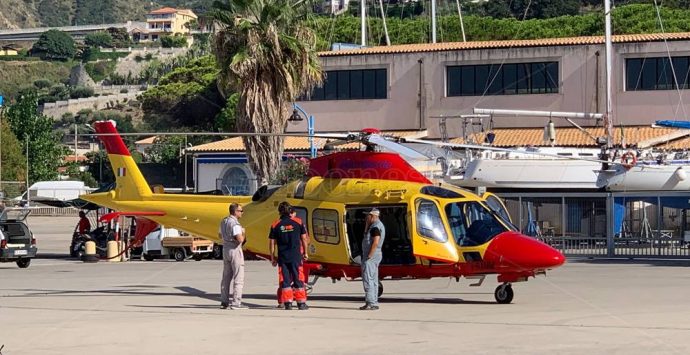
(288, 305)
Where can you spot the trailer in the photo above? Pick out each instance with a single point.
(171, 243)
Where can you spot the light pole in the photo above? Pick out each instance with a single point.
(28, 193)
(295, 117)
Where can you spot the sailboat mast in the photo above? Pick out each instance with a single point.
(363, 16)
(608, 118)
(462, 25)
(433, 21)
(385, 27)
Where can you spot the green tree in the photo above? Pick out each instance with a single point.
(173, 41)
(54, 45)
(120, 37)
(266, 54)
(99, 39)
(36, 131)
(187, 96)
(13, 161)
(166, 150)
(99, 167)
(227, 117)
(76, 172)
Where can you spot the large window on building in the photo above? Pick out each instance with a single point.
(656, 73)
(506, 79)
(352, 85)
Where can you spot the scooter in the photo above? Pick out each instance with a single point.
(99, 236)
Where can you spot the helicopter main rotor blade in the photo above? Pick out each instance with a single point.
(395, 147)
(345, 136)
(506, 150)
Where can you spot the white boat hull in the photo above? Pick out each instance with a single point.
(529, 174)
(647, 178)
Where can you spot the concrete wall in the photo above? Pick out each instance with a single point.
(413, 106)
(57, 109)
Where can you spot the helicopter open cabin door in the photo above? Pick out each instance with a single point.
(496, 204)
(430, 238)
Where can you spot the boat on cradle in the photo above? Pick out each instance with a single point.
(530, 171)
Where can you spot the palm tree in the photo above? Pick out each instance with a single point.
(267, 55)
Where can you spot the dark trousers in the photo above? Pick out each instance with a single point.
(291, 275)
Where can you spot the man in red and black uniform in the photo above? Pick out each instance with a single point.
(84, 224)
(290, 236)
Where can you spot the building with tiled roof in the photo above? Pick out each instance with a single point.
(639, 136)
(167, 21)
(409, 87)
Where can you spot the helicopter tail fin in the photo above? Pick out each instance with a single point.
(129, 182)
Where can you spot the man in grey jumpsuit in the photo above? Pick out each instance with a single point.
(374, 234)
(232, 234)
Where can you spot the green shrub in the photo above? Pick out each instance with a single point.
(173, 41)
(78, 92)
(43, 83)
(99, 39)
(100, 70)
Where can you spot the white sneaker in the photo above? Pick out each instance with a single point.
(239, 306)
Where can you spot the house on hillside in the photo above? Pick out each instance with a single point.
(167, 21)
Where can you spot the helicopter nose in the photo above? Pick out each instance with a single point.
(518, 252)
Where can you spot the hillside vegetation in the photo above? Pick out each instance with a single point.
(15, 75)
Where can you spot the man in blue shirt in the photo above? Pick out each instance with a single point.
(290, 236)
(374, 235)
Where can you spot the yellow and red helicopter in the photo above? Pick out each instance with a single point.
(432, 230)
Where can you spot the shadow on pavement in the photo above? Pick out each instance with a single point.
(144, 290)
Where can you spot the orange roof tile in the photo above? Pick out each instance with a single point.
(70, 158)
(545, 42)
(573, 137)
(148, 140)
(164, 10)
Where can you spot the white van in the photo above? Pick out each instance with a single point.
(58, 190)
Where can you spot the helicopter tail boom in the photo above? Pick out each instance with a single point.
(130, 183)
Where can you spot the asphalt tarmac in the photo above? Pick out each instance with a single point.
(61, 306)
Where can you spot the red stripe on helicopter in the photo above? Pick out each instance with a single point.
(113, 142)
(365, 165)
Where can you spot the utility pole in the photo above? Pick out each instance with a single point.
(75, 143)
(2, 112)
(28, 193)
(184, 156)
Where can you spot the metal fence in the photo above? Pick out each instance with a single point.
(605, 224)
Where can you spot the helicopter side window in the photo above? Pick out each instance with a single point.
(325, 225)
(472, 224)
(483, 225)
(429, 222)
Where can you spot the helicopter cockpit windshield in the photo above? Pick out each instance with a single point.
(472, 224)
